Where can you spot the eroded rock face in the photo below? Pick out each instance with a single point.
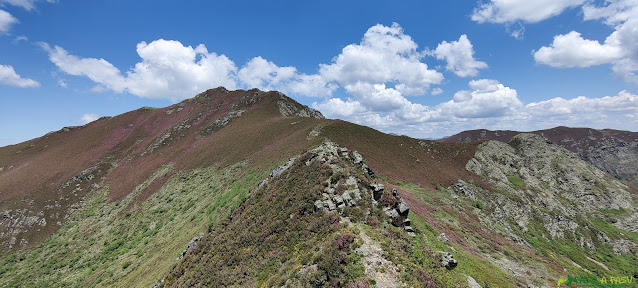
(537, 182)
(612, 151)
(288, 107)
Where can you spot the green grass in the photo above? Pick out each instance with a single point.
(104, 244)
(478, 204)
(515, 181)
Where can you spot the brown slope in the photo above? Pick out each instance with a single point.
(423, 162)
(42, 180)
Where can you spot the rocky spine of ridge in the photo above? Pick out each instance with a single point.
(348, 193)
(346, 188)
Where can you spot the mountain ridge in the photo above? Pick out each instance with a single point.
(157, 193)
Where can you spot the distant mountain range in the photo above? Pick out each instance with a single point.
(252, 189)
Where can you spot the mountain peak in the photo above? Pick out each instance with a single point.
(242, 98)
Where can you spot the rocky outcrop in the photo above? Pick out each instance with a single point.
(542, 185)
(288, 107)
(191, 245)
(350, 184)
(448, 261)
(612, 151)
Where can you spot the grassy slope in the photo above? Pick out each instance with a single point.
(204, 176)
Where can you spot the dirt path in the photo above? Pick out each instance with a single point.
(384, 272)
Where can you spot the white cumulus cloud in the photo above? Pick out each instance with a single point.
(338, 108)
(572, 50)
(263, 74)
(507, 11)
(620, 48)
(386, 108)
(6, 21)
(168, 69)
(385, 54)
(459, 56)
(90, 117)
(8, 76)
(622, 103)
(486, 98)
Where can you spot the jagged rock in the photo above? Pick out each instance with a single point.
(448, 261)
(377, 190)
(277, 171)
(331, 205)
(623, 246)
(391, 212)
(357, 158)
(347, 199)
(355, 193)
(288, 108)
(408, 229)
(337, 199)
(367, 169)
(403, 208)
(602, 237)
(351, 181)
(318, 205)
(407, 222)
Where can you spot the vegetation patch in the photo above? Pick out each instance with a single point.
(516, 181)
(106, 244)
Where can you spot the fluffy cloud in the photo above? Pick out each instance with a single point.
(572, 50)
(167, 70)
(6, 21)
(86, 118)
(8, 76)
(486, 98)
(620, 48)
(623, 103)
(486, 103)
(311, 85)
(338, 108)
(459, 56)
(384, 55)
(507, 11)
(377, 97)
(263, 74)
(387, 109)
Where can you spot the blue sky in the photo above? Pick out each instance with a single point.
(426, 69)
